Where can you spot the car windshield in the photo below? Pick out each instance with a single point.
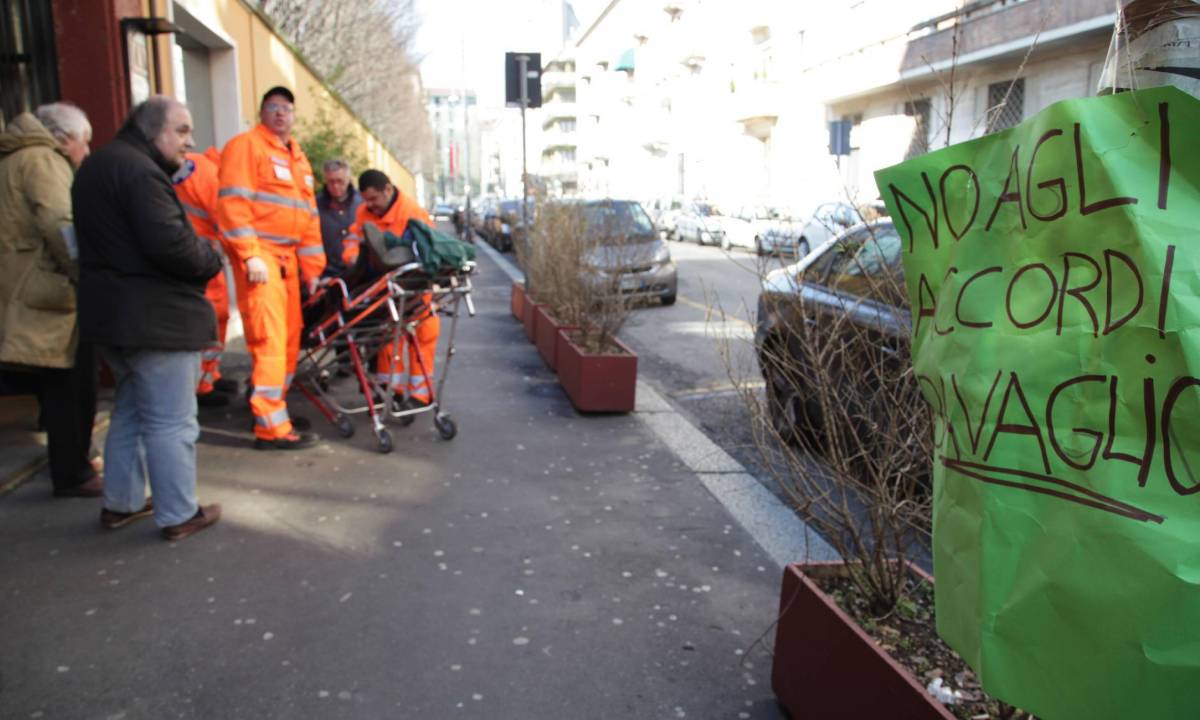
(613, 221)
(868, 251)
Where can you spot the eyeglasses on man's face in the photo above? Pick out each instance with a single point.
(284, 108)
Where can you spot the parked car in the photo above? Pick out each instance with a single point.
(795, 238)
(443, 211)
(856, 275)
(508, 222)
(641, 259)
(479, 216)
(663, 214)
(745, 226)
(699, 223)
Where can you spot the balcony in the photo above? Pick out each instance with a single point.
(552, 114)
(554, 79)
(756, 107)
(556, 137)
(564, 94)
(991, 29)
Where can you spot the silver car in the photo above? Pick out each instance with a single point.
(639, 260)
(796, 238)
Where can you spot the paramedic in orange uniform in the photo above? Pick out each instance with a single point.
(267, 213)
(196, 185)
(385, 207)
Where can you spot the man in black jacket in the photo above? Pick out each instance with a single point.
(141, 300)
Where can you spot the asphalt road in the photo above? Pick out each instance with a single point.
(700, 352)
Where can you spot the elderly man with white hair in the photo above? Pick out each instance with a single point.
(40, 351)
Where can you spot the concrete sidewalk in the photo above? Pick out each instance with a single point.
(540, 565)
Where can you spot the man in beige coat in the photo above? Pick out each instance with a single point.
(39, 338)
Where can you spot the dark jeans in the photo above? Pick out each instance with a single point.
(67, 399)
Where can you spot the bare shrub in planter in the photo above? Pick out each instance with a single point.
(574, 262)
(842, 424)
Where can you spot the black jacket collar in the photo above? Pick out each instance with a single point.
(131, 135)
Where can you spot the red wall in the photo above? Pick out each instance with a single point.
(91, 64)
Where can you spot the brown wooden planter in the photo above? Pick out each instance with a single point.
(545, 335)
(528, 314)
(596, 383)
(825, 666)
(517, 302)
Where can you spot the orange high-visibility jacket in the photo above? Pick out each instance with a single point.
(395, 220)
(196, 185)
(266, 202)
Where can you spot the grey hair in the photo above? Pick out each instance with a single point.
(64, 121)
(150, 115)
(335, 164)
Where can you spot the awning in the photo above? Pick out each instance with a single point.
(625, 64)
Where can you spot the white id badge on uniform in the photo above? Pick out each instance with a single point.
(283, 173)
(308, 180)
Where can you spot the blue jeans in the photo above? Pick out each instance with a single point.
(153, 433)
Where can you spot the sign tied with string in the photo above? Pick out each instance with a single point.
(1054, 274)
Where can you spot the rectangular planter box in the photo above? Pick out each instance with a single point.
(825, 666)
(596, 383)
(545, 335)
(517, 302)
(528, 314)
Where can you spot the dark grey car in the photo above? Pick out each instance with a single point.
(855, 276)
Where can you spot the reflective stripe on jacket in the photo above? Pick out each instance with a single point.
(196, 184)
(266, 203)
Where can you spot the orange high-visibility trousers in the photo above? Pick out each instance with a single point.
(272, 324)
(217, 292)
(195, 184)
(390, 364)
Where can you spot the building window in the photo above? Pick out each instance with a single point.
(1006, 104)
(567, 125)
(919, 111)
(28, 68)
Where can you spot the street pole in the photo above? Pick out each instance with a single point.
(468, 230)
(467, 164)
(523, 60)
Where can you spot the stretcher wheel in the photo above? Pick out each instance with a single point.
(445, 426)
(385, 442)
(345, 428)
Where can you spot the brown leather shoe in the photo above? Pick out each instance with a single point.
(111, 519)
(205, 516)
(89, 489)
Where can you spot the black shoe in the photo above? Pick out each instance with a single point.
(291, 441)
(227, 386)
(212, 399)
(90, 488)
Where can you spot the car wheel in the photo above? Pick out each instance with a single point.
(793, 417)
(668, 299)
(725, 243)
(758, 248)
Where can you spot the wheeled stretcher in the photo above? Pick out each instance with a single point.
(378, 303)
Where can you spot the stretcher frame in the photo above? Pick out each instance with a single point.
(362, 321)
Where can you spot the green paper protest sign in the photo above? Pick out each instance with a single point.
(1054, 274)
